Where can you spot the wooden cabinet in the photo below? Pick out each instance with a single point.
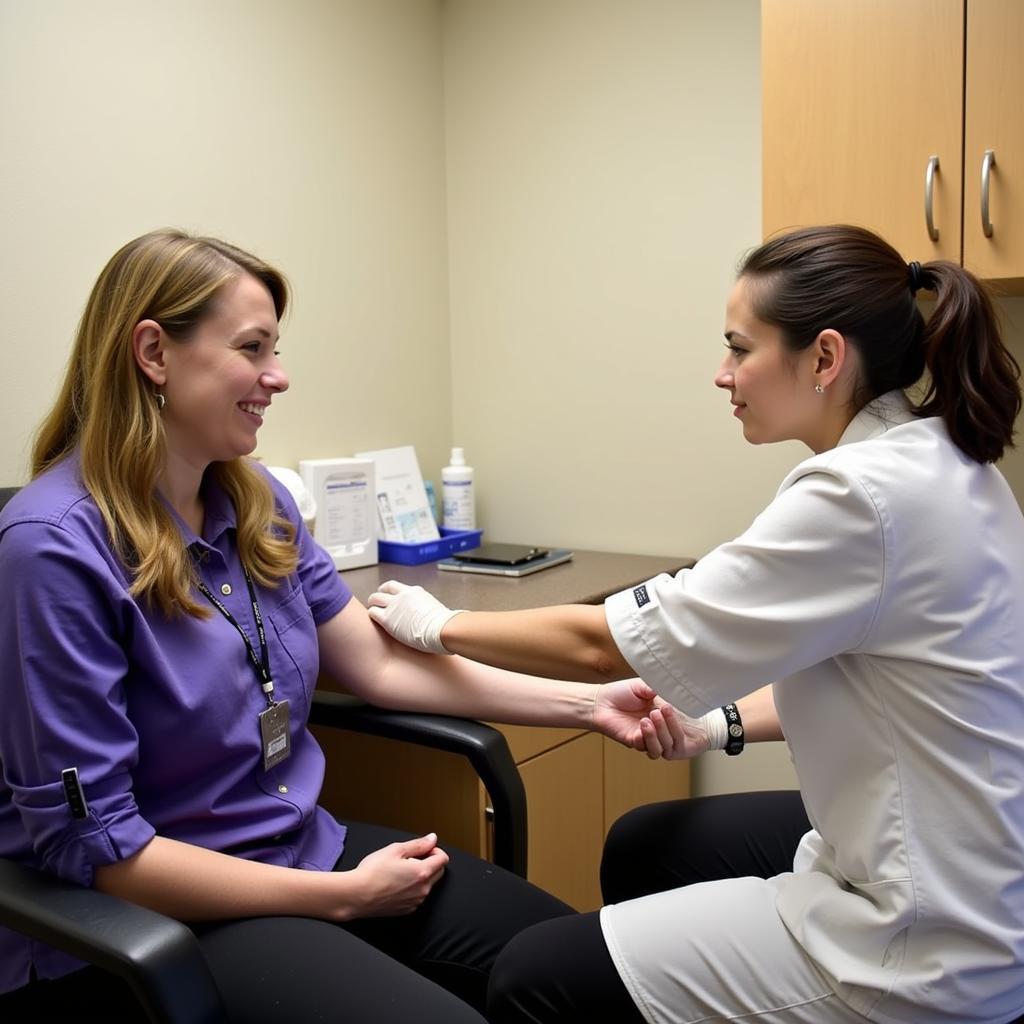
(859, 96)
(565, 809)
(995, 121)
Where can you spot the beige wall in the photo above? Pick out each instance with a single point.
(603, 179)
(310, 131)
(586, 173)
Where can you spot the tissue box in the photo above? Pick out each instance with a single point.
(417, 552)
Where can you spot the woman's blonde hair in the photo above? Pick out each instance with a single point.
(107, 411)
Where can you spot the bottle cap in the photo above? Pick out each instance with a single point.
(458, 457)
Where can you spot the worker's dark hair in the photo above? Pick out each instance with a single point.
(850, 280)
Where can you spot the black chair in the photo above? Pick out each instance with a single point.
(159, 957)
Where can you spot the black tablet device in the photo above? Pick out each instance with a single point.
(542, 560)
(501, 554)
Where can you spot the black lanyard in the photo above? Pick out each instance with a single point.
(262, 663)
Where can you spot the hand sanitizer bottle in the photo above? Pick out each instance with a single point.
(457, 492)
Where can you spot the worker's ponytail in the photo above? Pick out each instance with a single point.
(973, 378)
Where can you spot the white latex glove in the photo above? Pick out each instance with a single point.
(411, 615)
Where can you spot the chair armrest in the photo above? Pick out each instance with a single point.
(485, 747)
(158, 956)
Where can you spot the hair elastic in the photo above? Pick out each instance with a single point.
(916, 278)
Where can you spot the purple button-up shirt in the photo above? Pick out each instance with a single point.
(159, 716)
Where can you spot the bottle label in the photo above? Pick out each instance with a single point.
(458, 505)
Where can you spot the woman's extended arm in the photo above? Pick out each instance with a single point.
(371, 664)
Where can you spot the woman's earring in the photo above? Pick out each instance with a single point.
(817, 387)
(160, 401)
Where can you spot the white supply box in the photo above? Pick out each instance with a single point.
(346, 518)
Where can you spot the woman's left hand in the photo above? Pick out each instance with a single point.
(620, 708)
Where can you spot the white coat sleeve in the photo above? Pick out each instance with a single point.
(802, 584)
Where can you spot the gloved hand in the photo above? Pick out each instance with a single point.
(411, 615)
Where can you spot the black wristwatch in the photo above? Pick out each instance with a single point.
(734, 730)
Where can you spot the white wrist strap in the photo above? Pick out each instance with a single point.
(716, 728)
(434, 639)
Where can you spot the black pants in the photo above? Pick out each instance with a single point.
(431, 967)
(560, 970)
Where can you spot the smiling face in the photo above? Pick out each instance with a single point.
(220, 381)
(771, 388)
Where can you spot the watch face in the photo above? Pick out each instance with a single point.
(735, 730)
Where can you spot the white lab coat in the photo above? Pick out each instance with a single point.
(884, 589)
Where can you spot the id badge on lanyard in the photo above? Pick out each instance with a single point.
(275, 734)
(277, 740)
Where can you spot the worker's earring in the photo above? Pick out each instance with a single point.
(817, 387)
(160, 401)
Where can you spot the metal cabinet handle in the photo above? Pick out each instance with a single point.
(987, 163)
(929, 191)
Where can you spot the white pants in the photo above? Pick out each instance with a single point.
(717, 951)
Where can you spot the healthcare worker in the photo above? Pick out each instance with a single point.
(881, 594)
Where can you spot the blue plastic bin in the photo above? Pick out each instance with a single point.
(417, 552)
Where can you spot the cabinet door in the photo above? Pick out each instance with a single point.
(406, 786)
(995, 92)
(526, 741)
(566, 815)
(631, 780)
(857, 96)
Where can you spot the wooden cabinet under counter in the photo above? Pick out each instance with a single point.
(575, 790)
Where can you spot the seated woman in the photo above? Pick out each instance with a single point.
(164, 617)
